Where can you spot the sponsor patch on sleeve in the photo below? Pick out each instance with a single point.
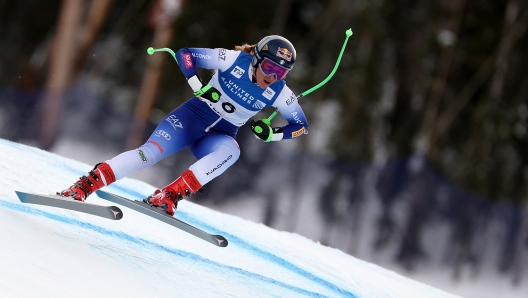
(188, 60)
(222, 54)
(298, 132)
(291, 99)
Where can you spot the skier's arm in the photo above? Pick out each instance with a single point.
(190, 58)
(297, 122)
(288, 106)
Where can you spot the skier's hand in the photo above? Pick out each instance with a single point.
(203, 90)
(265, 132)
(261, 130)
(209, 92)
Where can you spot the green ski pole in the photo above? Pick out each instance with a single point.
(259, 129)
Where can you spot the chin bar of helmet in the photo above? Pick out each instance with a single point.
(348, 34)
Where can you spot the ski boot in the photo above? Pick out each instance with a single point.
(167, 198)
(101, 175)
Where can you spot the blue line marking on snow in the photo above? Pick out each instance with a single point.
(140, 241)
(255, 250)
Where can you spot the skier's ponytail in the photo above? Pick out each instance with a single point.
(246, 48)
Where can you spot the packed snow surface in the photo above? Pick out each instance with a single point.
(52, 252)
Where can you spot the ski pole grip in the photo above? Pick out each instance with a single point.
(259, 129)
(267, 121)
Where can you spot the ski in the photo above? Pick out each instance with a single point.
(110, 212)
(162, 216)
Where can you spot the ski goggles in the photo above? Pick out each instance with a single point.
(270, 68)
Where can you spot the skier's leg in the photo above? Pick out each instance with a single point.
(216, 153)
(168, 138)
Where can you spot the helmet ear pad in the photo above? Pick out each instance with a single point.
(254, 61)
(256, 57)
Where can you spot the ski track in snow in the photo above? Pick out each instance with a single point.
(233, 240)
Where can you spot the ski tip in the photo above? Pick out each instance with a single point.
(222, 242)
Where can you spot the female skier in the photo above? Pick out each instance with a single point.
(246, 81)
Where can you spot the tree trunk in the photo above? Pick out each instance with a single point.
(162, 19)
(97, 15)
(513, 34)
(61, 63)
(438, 84)
(68, 55)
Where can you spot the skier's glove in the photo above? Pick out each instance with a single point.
(202, 90)
(265, 132)
(208, 92)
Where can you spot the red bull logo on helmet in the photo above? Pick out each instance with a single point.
(284, 53)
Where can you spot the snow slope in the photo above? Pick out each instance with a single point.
(68, 254)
